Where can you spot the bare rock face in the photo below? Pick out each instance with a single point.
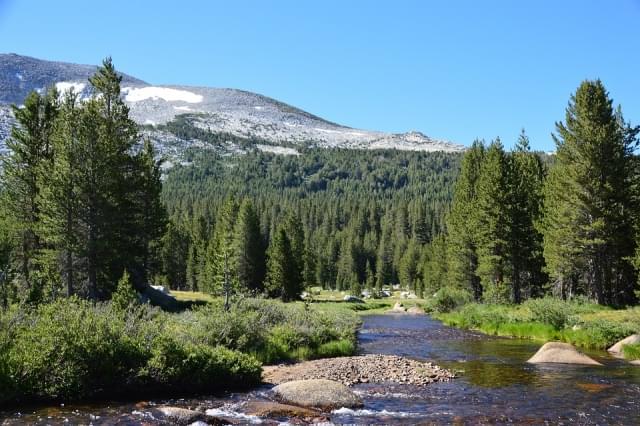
(616, 350)
(560, 353)
(318, 393)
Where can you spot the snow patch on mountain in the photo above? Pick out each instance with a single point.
(65, 86)
(165, 93)
(281, 150)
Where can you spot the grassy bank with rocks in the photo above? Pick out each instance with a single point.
(578, 322)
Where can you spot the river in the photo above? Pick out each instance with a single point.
(495, 386)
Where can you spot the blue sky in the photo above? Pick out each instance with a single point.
(457, 70)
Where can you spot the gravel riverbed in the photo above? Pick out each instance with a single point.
(360, 369)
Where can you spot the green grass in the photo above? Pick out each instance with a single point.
(579, 323)
(631, 352)
(193, 296)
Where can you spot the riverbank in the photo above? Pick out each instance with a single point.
(579, 323)
(73, 350)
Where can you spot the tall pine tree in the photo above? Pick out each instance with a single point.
(589, 207)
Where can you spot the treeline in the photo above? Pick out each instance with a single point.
(80, 197)
(518, 229)
(351, 219)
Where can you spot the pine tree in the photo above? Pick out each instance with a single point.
(125, 295)
(59, 198)
(175, 256)
(30, 155)
(494, 224)
(283, 279)
(295, 232)
(435, 264)
(152, 216)
(462, 226)
(249, 250)
(370, 281)
(221, 252)
(6, 250)
(589, 206)
(409, 272)
(526, 175)
(384, 261)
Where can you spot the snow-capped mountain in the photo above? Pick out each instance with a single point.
(280, 127)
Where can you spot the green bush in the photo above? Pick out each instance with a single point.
(558, 313)
(177, 366)
(447, 299)
(550, 311)
(270, 330)
(70, 348)
(598, 334)
(73, 349)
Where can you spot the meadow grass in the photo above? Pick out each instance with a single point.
(631, 352)
(579, 323)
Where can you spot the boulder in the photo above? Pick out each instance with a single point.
(165, 301)
(161, 289)
(415, 310)
(398, 308)
(560, 353)
(616, 349)
(635, 362)
(352, 299)
(317, 393)
(275, 409)
(183, 416)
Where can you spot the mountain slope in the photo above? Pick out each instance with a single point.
(236, 113)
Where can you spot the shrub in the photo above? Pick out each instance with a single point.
(550, 311)
(125, 295)
(270, 330)
(177, 366)
(447, 299)
(69, 348)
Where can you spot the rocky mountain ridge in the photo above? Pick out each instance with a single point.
(279, 127)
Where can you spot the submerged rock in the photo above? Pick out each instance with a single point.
(317, 393)
(616, 349)
(183, 416)
(275, 409)
(560, 353)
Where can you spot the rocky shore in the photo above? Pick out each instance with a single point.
(360, 369)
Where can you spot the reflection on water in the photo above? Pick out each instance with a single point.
(496, 385)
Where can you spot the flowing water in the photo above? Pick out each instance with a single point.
(495, 386)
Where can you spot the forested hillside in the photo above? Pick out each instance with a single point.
(365, 217)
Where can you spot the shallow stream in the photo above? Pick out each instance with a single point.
(495, 386)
